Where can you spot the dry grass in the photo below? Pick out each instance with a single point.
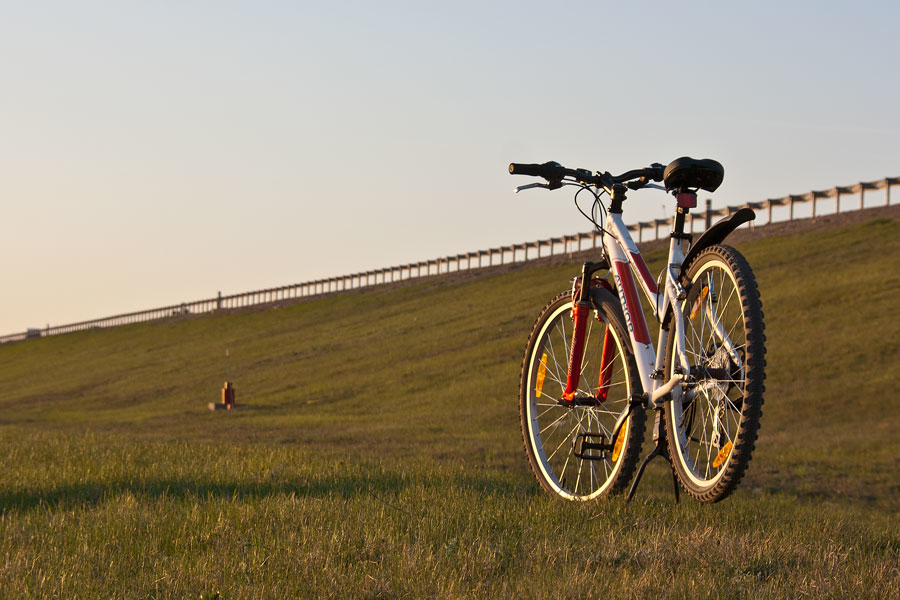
(378, 454)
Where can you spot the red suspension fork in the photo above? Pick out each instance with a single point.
(581, 311)
(606, 359)
(606, 363)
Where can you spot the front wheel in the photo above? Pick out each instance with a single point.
(711, 425)
(565, 441)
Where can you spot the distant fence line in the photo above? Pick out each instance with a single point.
(463, 262)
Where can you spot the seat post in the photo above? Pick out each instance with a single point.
(686, 201)
(679, 220)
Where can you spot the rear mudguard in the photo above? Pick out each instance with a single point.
(715, 235)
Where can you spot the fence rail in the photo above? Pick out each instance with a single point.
(463, 262)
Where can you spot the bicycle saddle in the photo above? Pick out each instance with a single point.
(685, 172)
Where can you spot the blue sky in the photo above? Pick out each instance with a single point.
(154, 153)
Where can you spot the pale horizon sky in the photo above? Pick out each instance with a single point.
(157, 153)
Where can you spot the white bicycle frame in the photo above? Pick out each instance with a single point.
(624, 257)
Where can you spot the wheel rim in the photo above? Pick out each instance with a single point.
(707, 414)
(554, 429)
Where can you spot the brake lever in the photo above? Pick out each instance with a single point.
(532, 185)
(637, 184)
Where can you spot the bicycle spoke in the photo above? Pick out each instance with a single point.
(578, 476)
(556, 365)
(560, 418)
(550, 407)
(566, 438)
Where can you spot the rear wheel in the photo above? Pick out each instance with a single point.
(711, 426)
(561, 439)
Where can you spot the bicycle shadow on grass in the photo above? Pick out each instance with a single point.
(89, 494)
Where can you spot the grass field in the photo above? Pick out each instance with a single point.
(377, 452)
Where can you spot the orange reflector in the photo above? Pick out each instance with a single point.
(620, 441)
(542, 371)
(699, 301)
(722, 456)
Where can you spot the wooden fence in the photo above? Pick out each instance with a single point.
(479, 259)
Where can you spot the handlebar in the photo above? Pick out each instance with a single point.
(555, 173)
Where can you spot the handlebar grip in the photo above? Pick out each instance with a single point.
(548, 170)
(525, 169)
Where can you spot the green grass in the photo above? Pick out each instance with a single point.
(377, 452)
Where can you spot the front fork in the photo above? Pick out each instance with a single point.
(581, 312)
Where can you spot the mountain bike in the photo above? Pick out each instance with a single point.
(591, 371)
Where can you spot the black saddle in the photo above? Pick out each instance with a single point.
(690, 173)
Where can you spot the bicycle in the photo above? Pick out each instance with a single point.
(591, 371)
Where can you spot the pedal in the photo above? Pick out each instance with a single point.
(587, 445)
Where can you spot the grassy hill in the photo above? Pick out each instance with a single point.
(377, 451)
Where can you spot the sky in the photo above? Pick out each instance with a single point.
(153, 153)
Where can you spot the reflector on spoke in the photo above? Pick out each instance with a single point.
(617, 449)
(722, 456)
(542, 372)
(699, 302)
